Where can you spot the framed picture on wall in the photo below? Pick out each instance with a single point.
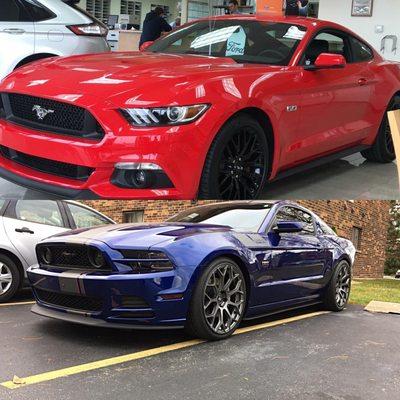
(362, 8)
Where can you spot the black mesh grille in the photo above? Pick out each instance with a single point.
(133, 302)
(70, 301)
(2, 114)
(47, 166)
(70, 256)
(52, 116)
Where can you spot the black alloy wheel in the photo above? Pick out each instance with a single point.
(237, 164)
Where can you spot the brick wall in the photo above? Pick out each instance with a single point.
(372, 217)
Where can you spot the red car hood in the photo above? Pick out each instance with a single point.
(113, 74)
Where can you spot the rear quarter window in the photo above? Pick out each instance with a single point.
(38, 11)
(361, 52)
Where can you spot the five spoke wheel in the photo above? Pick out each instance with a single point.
(5, 278)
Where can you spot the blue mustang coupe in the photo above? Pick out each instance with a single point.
(204, 269)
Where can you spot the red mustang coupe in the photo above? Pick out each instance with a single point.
(214, 109)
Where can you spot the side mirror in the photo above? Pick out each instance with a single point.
(145, 45)
(327, 61)
(288, 227)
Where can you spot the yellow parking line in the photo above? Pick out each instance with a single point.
(60, 373)
(21, 303)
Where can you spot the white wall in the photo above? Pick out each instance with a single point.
(385, 12)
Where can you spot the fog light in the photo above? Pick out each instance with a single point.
(140, 176)
(96, 258)
(46, 255)
(138, 166)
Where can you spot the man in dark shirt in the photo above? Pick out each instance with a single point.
(297, 7)
(154, 25)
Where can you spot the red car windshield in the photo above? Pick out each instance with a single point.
(245, 41)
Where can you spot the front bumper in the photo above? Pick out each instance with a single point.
(123, 300)
(180, 151)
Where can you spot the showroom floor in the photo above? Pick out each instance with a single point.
(333, 356)
(349, 178)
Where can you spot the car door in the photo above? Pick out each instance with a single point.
(17, 35)
(335, 110)
(27, 222)
(295, 263)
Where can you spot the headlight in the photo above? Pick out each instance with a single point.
(174, 115)
(142, 261)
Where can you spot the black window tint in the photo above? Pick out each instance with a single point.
(38, 12)
(295, 214)
(12, 11)
(326, 42)
(361, 52)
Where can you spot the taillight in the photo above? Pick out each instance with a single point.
(93, 29)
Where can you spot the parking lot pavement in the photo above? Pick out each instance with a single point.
(349, 178)
(337, 356)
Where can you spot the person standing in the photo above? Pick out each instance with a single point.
(297, 7)
(233, 7)
(154, 25)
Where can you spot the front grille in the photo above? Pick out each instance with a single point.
(47, 166)
(51, 116)
(69, 256)
(69, 301)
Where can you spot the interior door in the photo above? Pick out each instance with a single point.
(295, 263)
(29, 221)
(17, 35)
(335, 106)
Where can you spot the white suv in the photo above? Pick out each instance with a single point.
(31, 30)
(24, 223)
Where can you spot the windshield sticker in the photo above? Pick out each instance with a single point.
(236, 43)
(217, 36)
(294, 33)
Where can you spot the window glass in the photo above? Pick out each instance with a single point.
(297, 215)
(326, 42)
(240, 217)
(242, 40)
(39, 211)
(361, 52)
(38, 12)
(2, 203)
(85, 218)
(133, 216)
(11, 11)
(356, 237)
(324, 229)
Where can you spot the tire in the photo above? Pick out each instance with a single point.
(332, 299)
(382, 151)
(8, 288)
(210, 328)
(236, 166)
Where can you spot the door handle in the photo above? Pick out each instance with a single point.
(362, 81)
(24, 230)
(14, 31)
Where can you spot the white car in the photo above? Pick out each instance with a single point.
(24, 223)
(31, 30)
(397, 274)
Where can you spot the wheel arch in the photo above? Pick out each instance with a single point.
(266, 124)
(17, 262)
(234, 256)
(34, 57)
